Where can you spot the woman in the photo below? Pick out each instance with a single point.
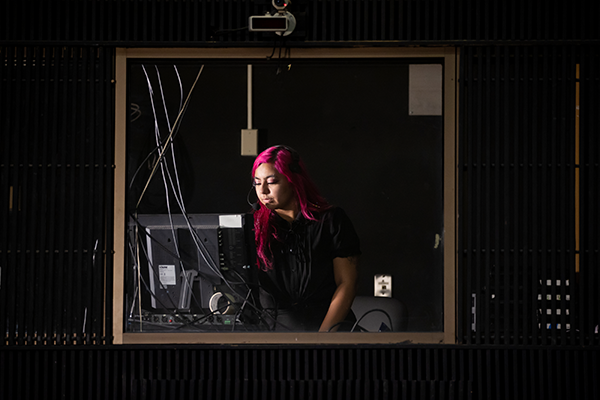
(307, 249)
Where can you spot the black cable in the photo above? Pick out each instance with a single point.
(225, 31)
(274, 47)
(205, 317)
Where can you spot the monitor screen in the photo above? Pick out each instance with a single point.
(191, 272)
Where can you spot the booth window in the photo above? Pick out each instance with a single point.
(376, 133)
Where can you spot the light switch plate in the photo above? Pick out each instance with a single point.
(249, 142)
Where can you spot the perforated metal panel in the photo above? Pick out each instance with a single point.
(56, 180)
(407, 372)
(211, 22)
(523, 279)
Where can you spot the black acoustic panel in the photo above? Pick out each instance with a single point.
(526, 278)
(380, 372)
(214, 22)
(56, 172)
(589, 177)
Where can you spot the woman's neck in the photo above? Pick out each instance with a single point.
(288, 214)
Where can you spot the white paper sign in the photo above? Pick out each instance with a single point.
(167, 274)
(230, 221)
(425, 89)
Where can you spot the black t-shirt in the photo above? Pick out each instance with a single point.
(301, 284)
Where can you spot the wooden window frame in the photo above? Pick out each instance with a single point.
(450, 112)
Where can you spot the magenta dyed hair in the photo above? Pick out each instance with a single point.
(288, 163)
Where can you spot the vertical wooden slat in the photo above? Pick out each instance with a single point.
(90, 294)
(518, 242)
(373, 7)
(543, 229)
(567, 236)
(21, 163)
(360, 12)
(154, 27)
(588, 201)
(58, 193)
(529, 294)
(506, 172)
(593, 124)
(33, 203)
(494, 194)
(581, 155)
(483, 183)
(554, 204)
(41, 233)
(537, 196)
(67, 210)
(81, 227)
(486, 199)
(11, 275)
(106, 246)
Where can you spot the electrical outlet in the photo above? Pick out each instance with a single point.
(383, 285)
(249, 142)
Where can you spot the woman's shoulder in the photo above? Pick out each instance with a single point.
(334, 215)
(334, 211)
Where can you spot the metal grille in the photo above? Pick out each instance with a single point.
(413, 372)
(210, 22)
(522, 281)
(56, 184)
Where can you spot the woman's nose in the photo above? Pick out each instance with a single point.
(264, 188)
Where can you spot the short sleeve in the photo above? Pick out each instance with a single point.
(345, 241)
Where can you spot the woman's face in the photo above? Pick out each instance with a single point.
(273, 189)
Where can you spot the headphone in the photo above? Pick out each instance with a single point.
(294, 166)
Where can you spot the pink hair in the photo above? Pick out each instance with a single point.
(288, 163)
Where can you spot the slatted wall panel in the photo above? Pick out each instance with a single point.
(521, 282)
(56, 184)
(196, 22)
(464, 372)
(589, 194)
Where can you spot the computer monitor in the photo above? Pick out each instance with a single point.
(185, 267)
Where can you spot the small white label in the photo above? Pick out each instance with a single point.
(230, 221)
(167, 274)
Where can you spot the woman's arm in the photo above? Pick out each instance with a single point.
(345, 272)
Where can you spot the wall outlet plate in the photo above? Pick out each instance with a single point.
(383, 285)
(249, 142)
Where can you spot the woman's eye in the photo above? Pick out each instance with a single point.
(271, 182)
